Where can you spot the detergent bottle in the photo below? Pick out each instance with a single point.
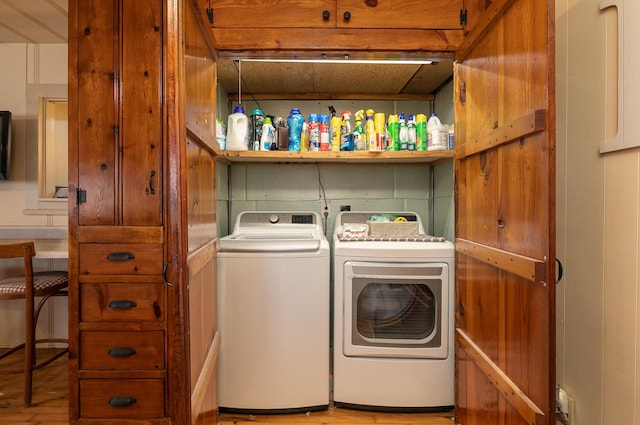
(238, 130)
(438, 135)
(358, 132)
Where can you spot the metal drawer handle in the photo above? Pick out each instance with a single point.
(120, 256)
(122, 351)
(122, 304)
(122, 401)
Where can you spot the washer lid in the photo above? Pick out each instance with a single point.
(270, 242)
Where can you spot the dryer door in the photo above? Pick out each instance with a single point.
(396, 309)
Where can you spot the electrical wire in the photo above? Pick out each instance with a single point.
(325, 212)
(241, 81)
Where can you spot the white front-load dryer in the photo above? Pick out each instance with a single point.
(273, 314)
(393, 319)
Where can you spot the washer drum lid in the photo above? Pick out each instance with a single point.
(292, 242)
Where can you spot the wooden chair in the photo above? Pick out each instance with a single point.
(28, 286)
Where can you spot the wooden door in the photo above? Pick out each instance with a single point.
(505, 216)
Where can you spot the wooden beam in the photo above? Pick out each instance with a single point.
(525, 267)
(516, 397)
(247, 40)
(201, 257)
(527, 125)
(206, 376)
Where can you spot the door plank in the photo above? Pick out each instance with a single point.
(527, 409)
(517, 129)
(528, 268)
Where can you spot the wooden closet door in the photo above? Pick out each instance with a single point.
(505, 216)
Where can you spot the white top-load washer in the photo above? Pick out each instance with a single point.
(273, 314)
(393, 315)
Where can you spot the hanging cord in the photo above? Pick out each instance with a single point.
(242, 81)
(325, 210)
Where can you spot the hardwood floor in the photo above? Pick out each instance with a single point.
(342, 416)
(51, 404)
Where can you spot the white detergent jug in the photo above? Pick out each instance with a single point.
(437, 135)
(238, 130)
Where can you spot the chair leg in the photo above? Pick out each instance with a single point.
(29, 350)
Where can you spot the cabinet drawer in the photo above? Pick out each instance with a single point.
(121, 398)
(122, 350)
(122, 302)
(123, 259)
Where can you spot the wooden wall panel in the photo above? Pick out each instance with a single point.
(141, 99)
(95, 139)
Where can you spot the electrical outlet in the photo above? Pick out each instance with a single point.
(325, 211)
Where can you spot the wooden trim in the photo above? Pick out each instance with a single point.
(120, 234)
(327, 40)
(199, 258)
(486, 22)
(520, 265)
(527, 408)
(206, 376)
(517, 129)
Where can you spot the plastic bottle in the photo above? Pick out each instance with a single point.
(370, 131)
(256, 120)
(268, 136)
(403, 135)
(358, 132)
(294, 121)
(393, 127)
(346, 132)
(451, 138)
(304, 137)
(411, 129)
(421, 132)
(381, 131)
(438, 137)
(334, 129)
(325, 136)
(314, 132)
(238, 130)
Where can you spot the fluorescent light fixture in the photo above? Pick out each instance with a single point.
(345, 61)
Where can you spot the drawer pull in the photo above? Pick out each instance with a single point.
(122, 304)
(122, 401)
(122, 351)
(120, 256)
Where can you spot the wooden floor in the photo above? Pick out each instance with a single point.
(342, 416)
(50, 390)
(50, 404)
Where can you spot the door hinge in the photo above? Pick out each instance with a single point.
(463, 17)
(81, 196)
(209, 11)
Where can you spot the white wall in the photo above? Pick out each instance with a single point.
(598, 224)
(29, 71)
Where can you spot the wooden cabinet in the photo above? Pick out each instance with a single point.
(142, 192)
(119, 338)
(414, 14)
(141, 260)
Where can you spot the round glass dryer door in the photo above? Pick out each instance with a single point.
(396, 309)
(396, 312)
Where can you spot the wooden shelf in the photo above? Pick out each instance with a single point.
(342, 156)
